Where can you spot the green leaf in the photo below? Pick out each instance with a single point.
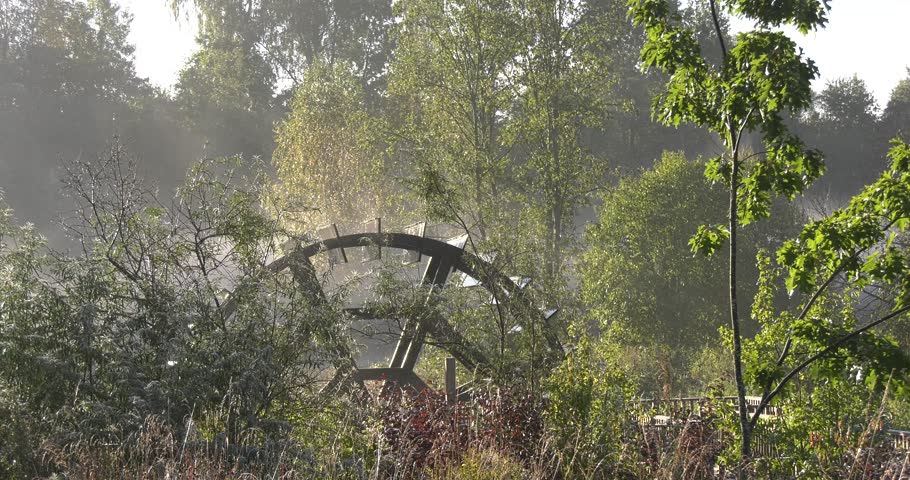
(709, 238)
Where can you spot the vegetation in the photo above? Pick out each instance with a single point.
(758, 78)
(646, 291)
(191, 326)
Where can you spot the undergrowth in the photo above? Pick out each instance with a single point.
(501, 434)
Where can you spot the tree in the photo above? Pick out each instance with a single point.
(225, 93)
(645, 287)
(630, 138)
(846, 103)
(357, 33)
(323, 157)
(67, 83)
(450, 86)
(564, 86)
(761, 76)
(491, 102)
(844, 126)
(63, 48)
(856, 382)
(896, 117)
(292, 35)
(253, 54)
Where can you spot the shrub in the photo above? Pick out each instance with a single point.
(588, 416)
(421, 432)
(486, 464)
(140, 323)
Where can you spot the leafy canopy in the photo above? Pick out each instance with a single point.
(859, 240)
(762, 77)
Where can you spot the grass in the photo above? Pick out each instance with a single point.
(421, 437)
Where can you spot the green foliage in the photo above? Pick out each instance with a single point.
(641, 280)
(565, 85)
(828, 357)
(836, 365)
(490, 112)
(831, 429)
(805, 15)
(896, 116)
(67, 84)
(486, 464)
(868, 361)
(451, 84)
(66, 48)
(709, 238)
(847, 103)
(252, 56)
(858, 241)
(589, 414)
(845, 126)
(291, 36)
(338, 434)
(139, 325)
(762, 77)
(505, 126)
(489, 105)
(642, 226)
(224, 76)
(855, 243)
(323, 157)
(630, 139)
(225, 92)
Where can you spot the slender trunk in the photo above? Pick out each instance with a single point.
(554, 125)
(745, 425)
(734, 137)
(478, 107)
(553, 187)
(477, 153)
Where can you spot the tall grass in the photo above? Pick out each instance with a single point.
(499, 435)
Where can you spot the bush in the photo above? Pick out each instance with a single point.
(588, 416)
(487, 464)
(832, 429)
(421, 433)
(140, 323)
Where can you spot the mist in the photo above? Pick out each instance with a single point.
(61, 104)
(674, 244)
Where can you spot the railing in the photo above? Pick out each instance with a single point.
(669, 416)
(666, 433)
(688, 406)
(900, 438)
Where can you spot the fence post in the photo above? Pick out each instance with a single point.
(451, 386)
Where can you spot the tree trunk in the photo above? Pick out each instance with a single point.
(745, 425)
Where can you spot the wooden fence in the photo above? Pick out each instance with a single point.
(666, 417)
(689, 406)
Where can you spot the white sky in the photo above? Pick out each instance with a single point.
(163, 43)
(866, 37)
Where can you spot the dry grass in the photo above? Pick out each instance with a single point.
(435, 444)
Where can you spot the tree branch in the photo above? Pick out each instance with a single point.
(717, 29)
(830, 348)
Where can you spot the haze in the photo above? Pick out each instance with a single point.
(866, 38)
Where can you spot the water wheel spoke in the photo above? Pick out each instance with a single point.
(430, 327)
